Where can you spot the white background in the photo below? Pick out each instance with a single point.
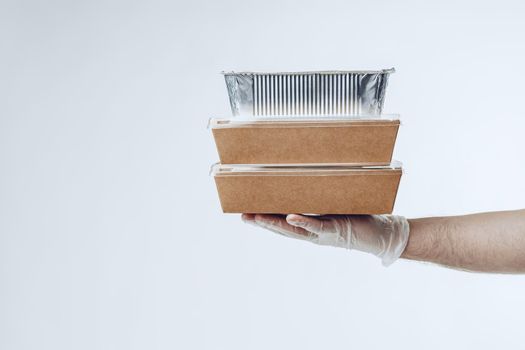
(111, 233)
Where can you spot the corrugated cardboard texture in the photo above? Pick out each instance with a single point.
(294, 143)
(351, 193)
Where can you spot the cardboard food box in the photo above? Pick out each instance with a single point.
(318, 140)
(307, 189)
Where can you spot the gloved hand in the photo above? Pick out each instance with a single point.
(385, 236)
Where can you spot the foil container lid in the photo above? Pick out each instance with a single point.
(309, 93)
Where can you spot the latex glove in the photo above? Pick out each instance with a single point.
(385, 236)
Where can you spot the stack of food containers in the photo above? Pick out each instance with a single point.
(308, 142)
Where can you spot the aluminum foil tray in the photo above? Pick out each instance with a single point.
(307, 93)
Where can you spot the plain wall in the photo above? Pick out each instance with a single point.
(111, 233)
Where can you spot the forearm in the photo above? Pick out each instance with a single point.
(487, 242)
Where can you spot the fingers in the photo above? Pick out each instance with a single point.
(248, 218)
(277, 224)
(329, 230)
(324, 230)
(318, 225)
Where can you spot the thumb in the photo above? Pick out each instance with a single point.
(329, 230)
(308, 223)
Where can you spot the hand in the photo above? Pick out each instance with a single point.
(385, 236)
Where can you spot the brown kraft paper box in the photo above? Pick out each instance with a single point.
(321, 190)
(298, 142)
